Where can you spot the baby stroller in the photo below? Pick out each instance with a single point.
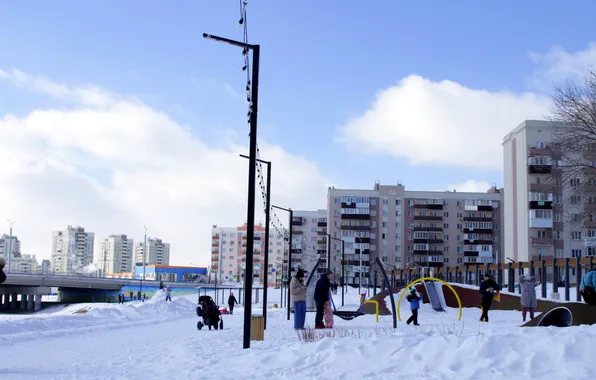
(210, 313)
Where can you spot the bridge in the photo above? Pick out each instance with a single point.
(29, 288)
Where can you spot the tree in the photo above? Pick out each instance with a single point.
(574, 151)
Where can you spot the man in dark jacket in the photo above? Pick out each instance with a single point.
(321, 296)
(231, 302)
(487, 289)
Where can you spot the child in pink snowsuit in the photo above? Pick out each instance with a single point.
(328, 315)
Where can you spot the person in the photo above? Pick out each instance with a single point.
(587, 287)
(528, 295)
(231, 302)
(2, 274)
(328, 314)
(298, 293)
(321, 296)
(168, 294)
(487, 289)
(414, 299)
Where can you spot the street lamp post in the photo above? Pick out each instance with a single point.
(144, 260)
(267, 223)
(9, 243)
(252, 167)
(289, 252)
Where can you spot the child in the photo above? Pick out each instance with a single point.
(328, 315)
(414, 299)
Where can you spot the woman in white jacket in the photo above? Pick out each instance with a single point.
(298, 293)
(528, 295)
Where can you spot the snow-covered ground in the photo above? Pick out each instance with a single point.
(159, 340)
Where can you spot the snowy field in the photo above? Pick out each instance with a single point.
(159, 340)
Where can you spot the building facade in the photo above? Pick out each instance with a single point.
(6, 245)
(228, 254)
(72, 250)
(116, 254)
(171, 273)
(405, 229)
(545, 214)
(309, 240)
(158, 252)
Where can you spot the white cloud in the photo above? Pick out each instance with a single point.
(558, 64)
(441, 123)
(471, 186)
(113, 164)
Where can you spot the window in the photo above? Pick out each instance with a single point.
(590, 233)
(591, 251)
(574, 182)
(575, 199)
(460, 226)
(373, 201)
(385, 201)
(576, 253)
(576, 235)
(446, 214)
(445, 237)
(398, 201)
(445, 225)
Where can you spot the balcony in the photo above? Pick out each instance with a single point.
(428, 206)
(356, 227)
(322, 224)
(590, 223)
(541, 205)
(539, 169)
(297, 232)
(297, 221)
(429, 229)
(427, 217)
(478, 230)
(478, 242)
(541, 187)
(428, 241)
(541, 241)
(476, 219)
(425, 252)
(355, 216)
(533, 151)
(541, 223)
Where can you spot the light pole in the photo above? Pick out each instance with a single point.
(252, 167)
(144, 260)
(267, 222)
(289, 253)
(343, 256)
(10, 243)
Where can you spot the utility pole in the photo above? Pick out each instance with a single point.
(267, 223)
(9, 244)
(252, 168)
(144, 260)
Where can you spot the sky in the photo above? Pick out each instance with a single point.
(115, 115)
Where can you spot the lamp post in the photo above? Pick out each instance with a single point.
(144, 260)
(252, 153)
(10, 243)
(343, 256)
(289, 252)
(267, 223)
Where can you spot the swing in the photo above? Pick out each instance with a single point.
(348, 315)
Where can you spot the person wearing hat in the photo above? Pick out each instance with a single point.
(414, 299)
(321, 296)
(298, 293)
(231, 302)
(487, 289)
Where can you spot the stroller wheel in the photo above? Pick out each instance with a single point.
(221, 325)
(199, 325)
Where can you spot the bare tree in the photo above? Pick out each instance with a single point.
(573, 116)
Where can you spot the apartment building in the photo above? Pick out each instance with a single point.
(116, 254)
(405, 229)
(6, 245)
(24, 264)
(158, 252)
(228, 254)
(545, 214)
(309, 240)
(72, 250)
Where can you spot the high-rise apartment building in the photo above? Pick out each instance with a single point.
(72, 250)
(309, 239)
(116, 254)
(405, 229)
(228, 254)
(6, 245)
(546, 213)
(158, 252)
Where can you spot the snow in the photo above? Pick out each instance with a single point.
(159, 340)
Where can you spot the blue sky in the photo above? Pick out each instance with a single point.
(420, 92)
(322, 62)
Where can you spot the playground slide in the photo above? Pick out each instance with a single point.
(439, 288)
(433, 296)
(565, 314)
